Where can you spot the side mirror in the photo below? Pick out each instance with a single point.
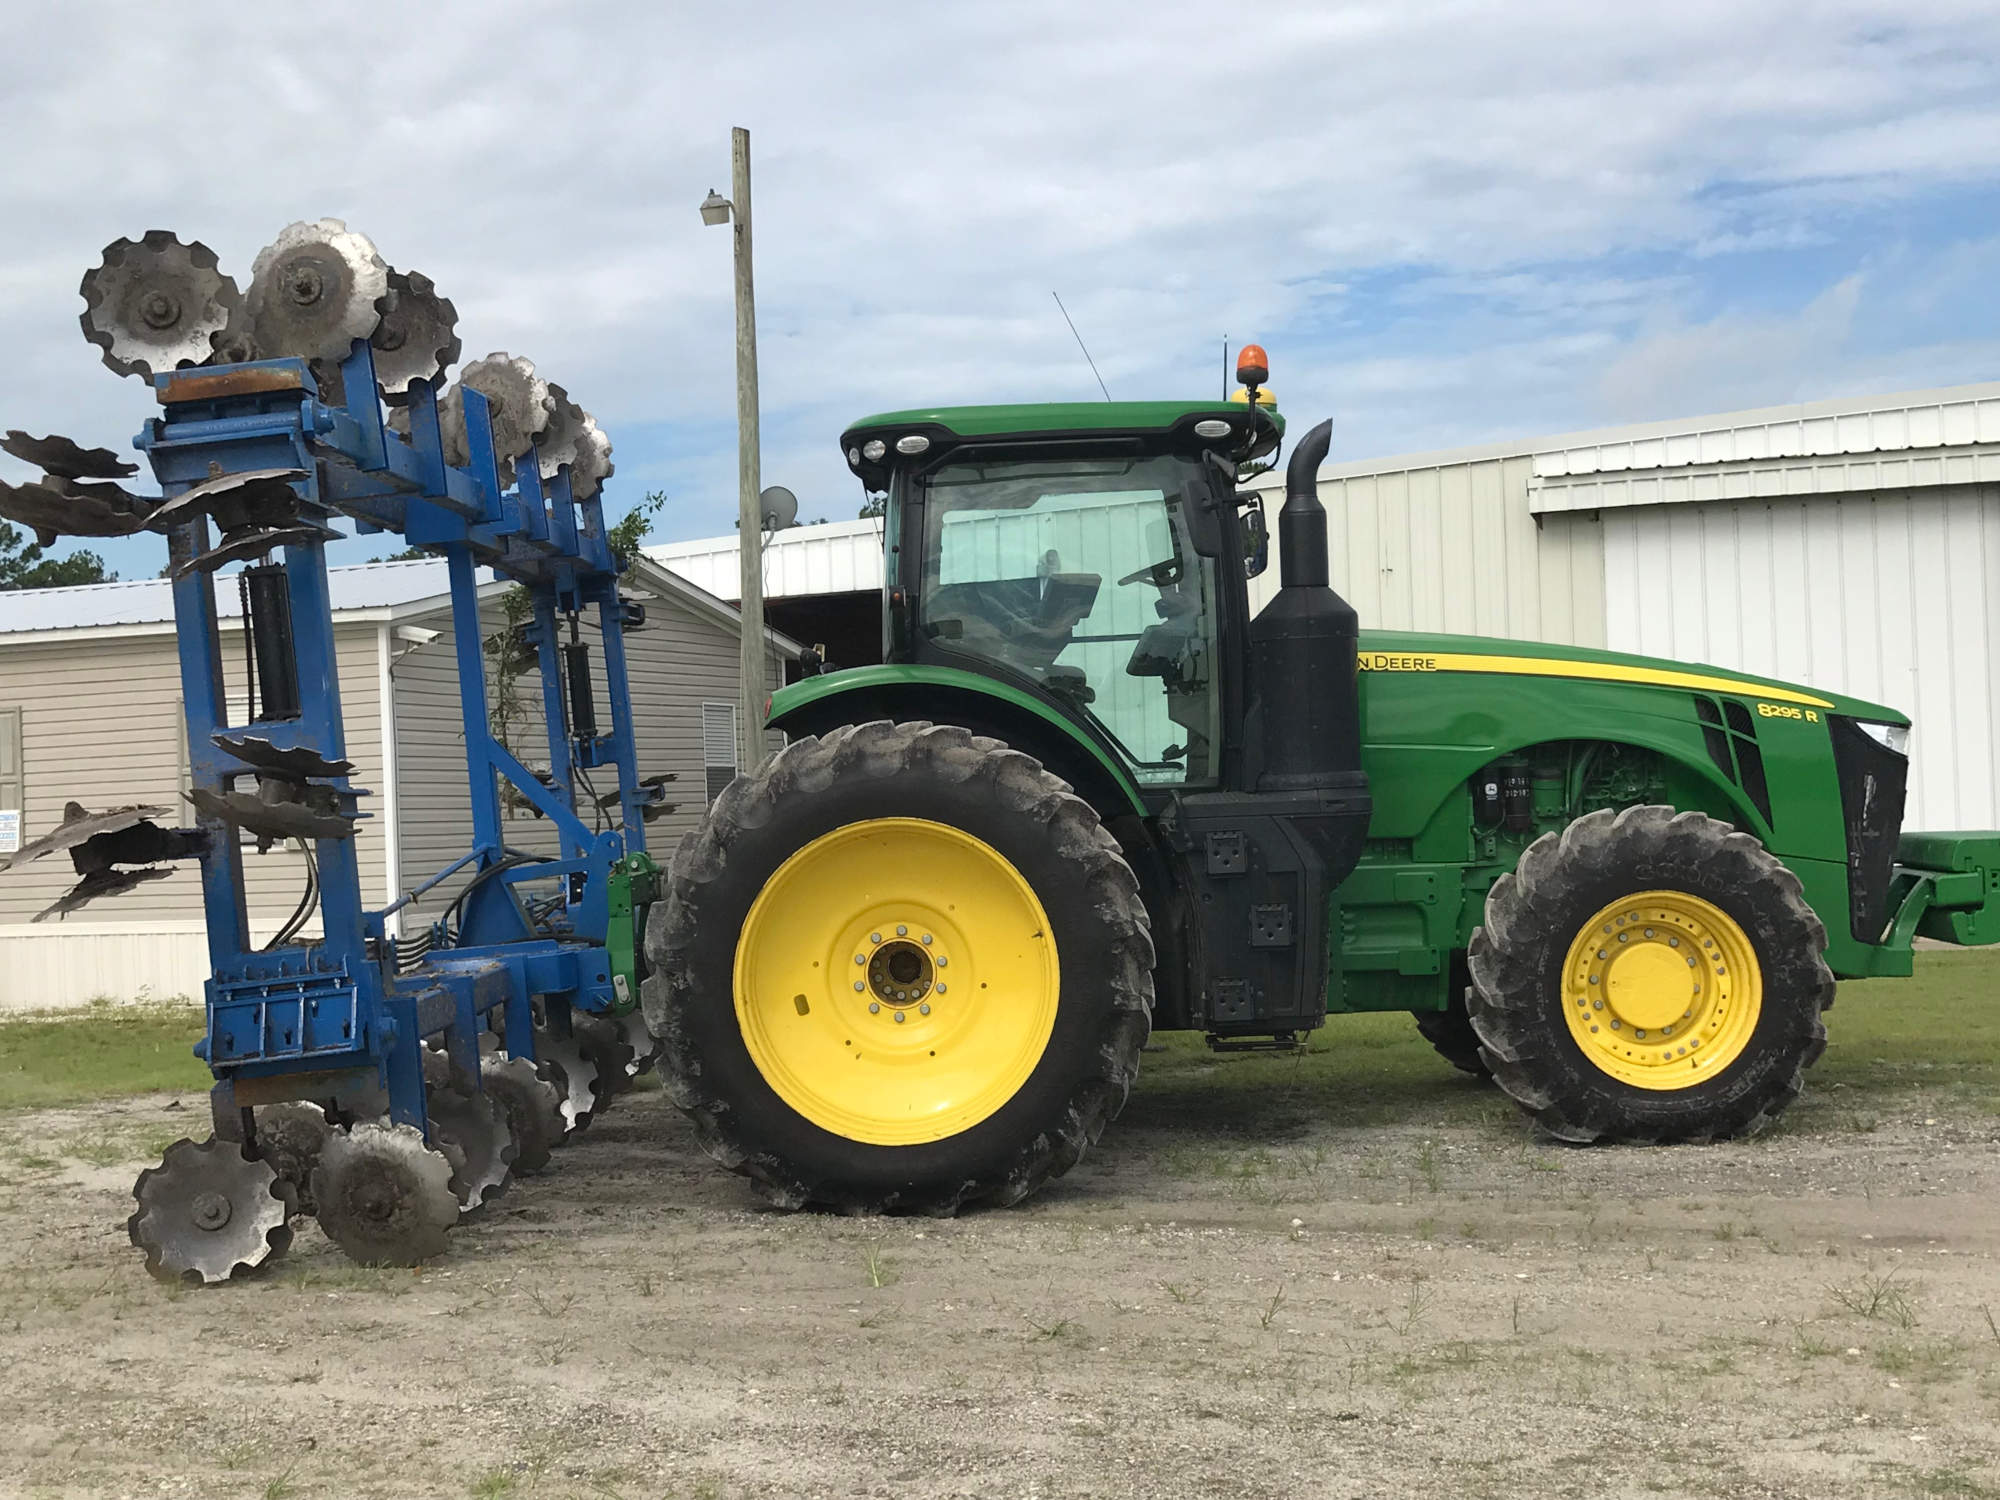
(1256, 534)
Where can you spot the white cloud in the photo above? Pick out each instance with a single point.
(926, 174)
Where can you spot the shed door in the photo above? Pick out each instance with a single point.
(13, 792)
(1892, 597)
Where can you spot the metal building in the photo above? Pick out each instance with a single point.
(1851, 544)
(90, 712)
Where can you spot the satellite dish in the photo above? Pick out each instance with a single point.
(779, 507)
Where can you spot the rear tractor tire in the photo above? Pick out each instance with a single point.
(1649, 976)
(899, 967)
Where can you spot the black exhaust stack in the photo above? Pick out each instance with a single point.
(1303, 648)
(1270, 855)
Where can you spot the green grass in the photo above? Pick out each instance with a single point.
(1937, 1032)
(100, 1053)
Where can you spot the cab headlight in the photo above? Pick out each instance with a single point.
(1892, 737)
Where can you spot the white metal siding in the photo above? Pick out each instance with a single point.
(838, 557)
(1453, 548)
(1893, 598)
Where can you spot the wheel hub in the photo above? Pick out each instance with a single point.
(1662, 990)
(900, 972)
(210, 1211)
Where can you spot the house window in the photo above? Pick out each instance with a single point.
(718, 746)
(13, 790)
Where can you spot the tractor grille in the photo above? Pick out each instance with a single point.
(1731, 736)
(1872, 778)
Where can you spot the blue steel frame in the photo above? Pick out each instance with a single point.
(304, 1020)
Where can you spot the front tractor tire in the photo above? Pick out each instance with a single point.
(1649, 976)
(900, 967)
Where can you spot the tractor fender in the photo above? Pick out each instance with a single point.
(944, 695)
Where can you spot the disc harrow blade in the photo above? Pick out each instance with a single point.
(593, 461)
(579, 1083)
(253, 497)
(314, 290)
(79, 825)
(560, 441)
(272, 818)
(291, 1137)
(50, 509)
(478, 1126)
(208, 1211)
(96, 886)
(418, 339)
(532, 1103)
(296, 761)
(66, 459)
(243, 546)
(383, 1196)
(154, 304)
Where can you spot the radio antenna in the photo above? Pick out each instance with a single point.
(1080, 343)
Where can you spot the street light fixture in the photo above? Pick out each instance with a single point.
(751, 670)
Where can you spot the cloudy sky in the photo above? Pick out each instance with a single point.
(1447, 222)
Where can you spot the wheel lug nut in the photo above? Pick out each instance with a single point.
(861, 958)
(874, 1007)
(941, 987)
(924, 1009)
(902, 931)
(942, 961)
(899, 1018)
(927, 940)
(859, 987)
(874, 937)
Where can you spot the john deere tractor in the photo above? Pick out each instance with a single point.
(910, 961)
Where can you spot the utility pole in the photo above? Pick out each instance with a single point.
(751, 672)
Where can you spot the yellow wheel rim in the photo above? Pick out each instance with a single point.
(896, 981)
(1662, 990)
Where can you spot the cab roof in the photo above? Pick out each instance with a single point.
(952, 426)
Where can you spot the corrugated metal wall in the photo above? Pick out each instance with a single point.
(1895, 598)
(1453, 548)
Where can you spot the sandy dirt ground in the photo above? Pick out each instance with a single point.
(1308, 1298)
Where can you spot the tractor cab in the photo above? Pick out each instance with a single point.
(1092, 556)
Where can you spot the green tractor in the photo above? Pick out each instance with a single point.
(911, 960)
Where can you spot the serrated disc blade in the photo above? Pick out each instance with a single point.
(593, 461)
(66, 459)
(314, 290)
(517, 399)
(418, 339)
(154, 304)
(50, 509)
(558, 442)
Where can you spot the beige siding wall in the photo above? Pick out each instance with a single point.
(1453, 548)
(101, 725)
(678, 660)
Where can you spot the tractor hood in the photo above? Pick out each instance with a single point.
(1413, 651)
